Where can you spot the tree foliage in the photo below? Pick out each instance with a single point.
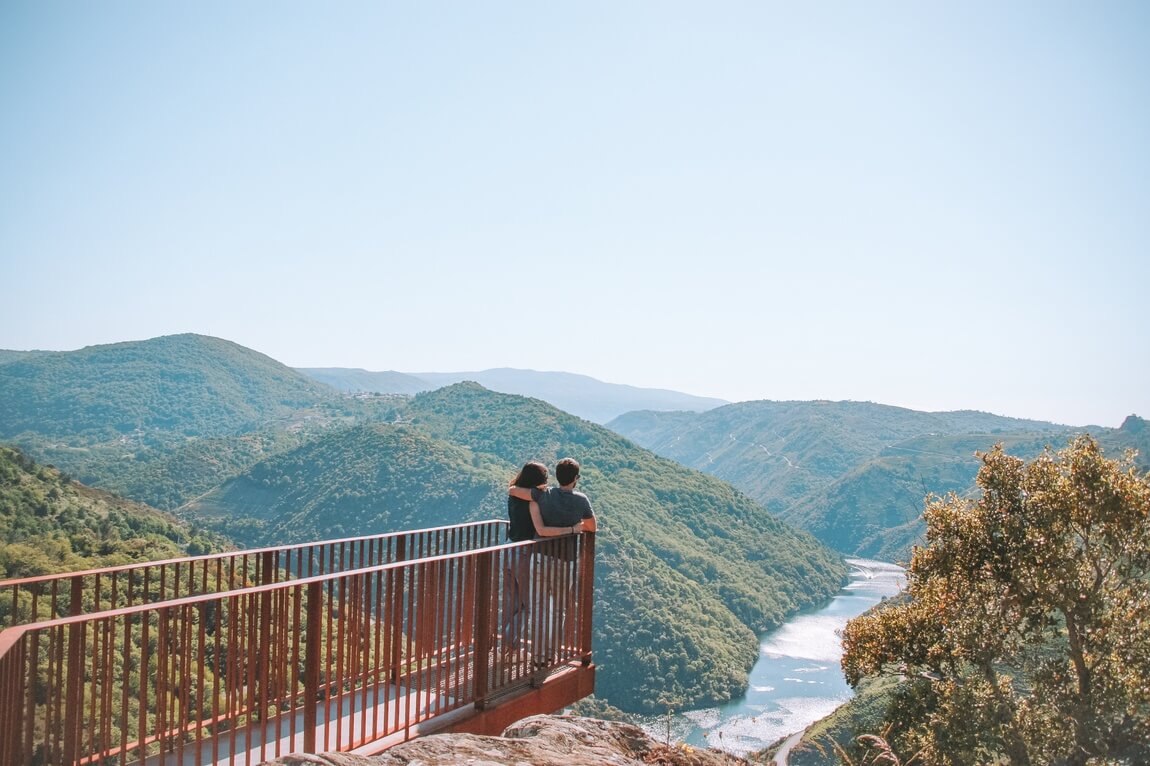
(49, 523)
(853, 474)
(688, 570)
(133, 392)
(1025, 632)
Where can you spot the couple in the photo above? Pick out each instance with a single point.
(538, 511)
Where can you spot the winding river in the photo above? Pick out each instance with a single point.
(796, 680)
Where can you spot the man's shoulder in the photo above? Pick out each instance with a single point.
(578, 499)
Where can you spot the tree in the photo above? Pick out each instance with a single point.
(1024, 633)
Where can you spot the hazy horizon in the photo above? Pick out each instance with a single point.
(626, 383)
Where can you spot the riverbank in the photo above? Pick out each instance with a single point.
(796, 680)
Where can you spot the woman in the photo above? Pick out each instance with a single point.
(526, 523)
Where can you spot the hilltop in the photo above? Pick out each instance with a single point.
(579, 395)
(166, 419)
(190, 385)
(689, 570)
(852, 473)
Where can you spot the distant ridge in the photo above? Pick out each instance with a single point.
(355, 380)
(854, 474)
(580, 395)
(691, 571)
(8, 355)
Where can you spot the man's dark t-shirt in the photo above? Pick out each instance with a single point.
(562, 508)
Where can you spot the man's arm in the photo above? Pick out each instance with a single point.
(527, 493)
(542, 531)
(522, 493)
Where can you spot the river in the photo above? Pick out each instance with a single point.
(796, 680)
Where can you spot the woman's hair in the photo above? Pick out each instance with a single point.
(532, 474)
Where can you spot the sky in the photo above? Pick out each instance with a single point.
(935, 205)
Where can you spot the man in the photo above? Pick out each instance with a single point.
(560, 506)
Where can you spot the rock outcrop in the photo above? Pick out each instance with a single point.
(542, 740)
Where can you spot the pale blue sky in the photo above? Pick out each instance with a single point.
(934, 205)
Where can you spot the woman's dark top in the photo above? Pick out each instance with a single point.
(519, 514)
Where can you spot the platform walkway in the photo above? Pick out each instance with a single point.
(345, 660)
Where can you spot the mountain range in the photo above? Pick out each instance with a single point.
(715, 525)
(689, 569)
(854, 474)
(579, 395)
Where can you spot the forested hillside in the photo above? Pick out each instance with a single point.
(165, 420)
(679, 550)
(7, 355)
(191, 385)
(688, 569)
(49, 523)
(855, 474)
(358, 480)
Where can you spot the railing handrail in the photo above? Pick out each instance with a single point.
(338, 658)
(119, 568)
(19, 630)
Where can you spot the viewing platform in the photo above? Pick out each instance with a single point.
(238, 658)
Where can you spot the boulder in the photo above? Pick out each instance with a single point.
(542, 740)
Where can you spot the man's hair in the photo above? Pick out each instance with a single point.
(566, 471)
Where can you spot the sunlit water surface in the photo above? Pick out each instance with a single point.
(796, 680)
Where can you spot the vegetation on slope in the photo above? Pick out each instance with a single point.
(688, 569)
(359, 480)
(777, 452)
(680, 553)
(49, 523)
(190, 385)
(852, 473)
(1025, 636)
(165, 420)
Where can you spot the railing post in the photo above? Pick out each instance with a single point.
(74, 683)
(482, 607)
(311, 663)
(264, 675)
(12, 698)
(586, 594)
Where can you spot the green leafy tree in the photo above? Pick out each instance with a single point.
(1025, 634)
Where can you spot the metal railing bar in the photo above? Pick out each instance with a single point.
(57, 576)
(414, 638)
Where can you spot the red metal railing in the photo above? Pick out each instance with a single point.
(32, 599)
(320, 663)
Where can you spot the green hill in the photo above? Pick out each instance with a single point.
(679, 550)
(190, 385)
(7, 355)
(688, 570)
(49, 523)
(875, 509)
(164, 420)
(359, 480)
(852, 473)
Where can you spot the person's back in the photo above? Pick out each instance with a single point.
(563, 506)
(519, 515)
